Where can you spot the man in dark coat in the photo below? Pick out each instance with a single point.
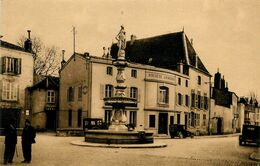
(28, 136)
(10, 141)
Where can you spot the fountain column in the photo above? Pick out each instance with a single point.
(120, 101)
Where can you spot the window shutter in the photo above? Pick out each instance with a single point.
(202, 102)
(1, 89)
(1, 64)
(127, 92)
(4, 64)
(176, 98)
(16, 91)
(102, 91)
(138, 95)
(4, 86)
(196, 100)
(19, 66)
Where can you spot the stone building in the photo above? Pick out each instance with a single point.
(44, 103)
(164, 74)
(251, 111)
(16, 74)
(224, 108)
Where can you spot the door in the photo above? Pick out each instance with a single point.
(51, 119)
(219, 126)
(163, 123)
(186, 121)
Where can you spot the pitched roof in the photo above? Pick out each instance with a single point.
(49, 82)
(11, 46)
(164, 51)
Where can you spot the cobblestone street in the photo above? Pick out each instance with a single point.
(57, 151)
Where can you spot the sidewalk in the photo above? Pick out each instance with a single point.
(200, 137)
(255, 156)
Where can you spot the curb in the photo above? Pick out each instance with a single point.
(255, 156)
(87, 144)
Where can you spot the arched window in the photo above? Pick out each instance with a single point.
(164, 95)
(109, 90)
(133, 92)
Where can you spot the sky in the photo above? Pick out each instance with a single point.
(225, 33)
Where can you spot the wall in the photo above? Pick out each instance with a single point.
(24, 80)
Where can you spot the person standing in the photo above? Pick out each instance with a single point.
(10, 141)
(28, 138)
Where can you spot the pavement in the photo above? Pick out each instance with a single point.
(255, 155)
(88, 144)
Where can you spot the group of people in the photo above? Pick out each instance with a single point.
(28, 138)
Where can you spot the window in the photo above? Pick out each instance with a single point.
(70, 118)
(50, 96)
(132, 117)
(109, 91)
(187, 100)
(171, 119)
(204, 119)
(192, 117)
(193, 99)
(79, 117)
(199, 100)
(197, 119)
(164, 95)
(11, 65)
(178, 118)
(108, 115)
(109, 71)
(205, 102)
(179, 99)
(187, 83)
(10, 91)
(199, 80)
(134, 73)
(70, 94)
(151, 120)
(179, 81)
(133, 92)
(80, 93)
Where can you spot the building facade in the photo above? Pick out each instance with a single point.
(164, 74)
(16, 74)
(224, 105)
(44, 103)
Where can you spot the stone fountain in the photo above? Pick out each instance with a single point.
(117, 132)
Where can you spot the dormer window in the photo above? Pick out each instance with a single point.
(109, 70)
(199, 80)
(134, 73)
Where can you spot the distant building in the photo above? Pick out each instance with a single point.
(224, 109)
(164, 74)
(251, 111)
(44, 103)
(16, 74)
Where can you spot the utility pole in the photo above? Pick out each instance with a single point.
(74, 41)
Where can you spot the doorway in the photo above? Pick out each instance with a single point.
(163, 123)
(219, 126)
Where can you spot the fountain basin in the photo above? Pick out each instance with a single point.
(118, 137)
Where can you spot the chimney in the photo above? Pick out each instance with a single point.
(109, 53)
(223, 83)
(226, 86)
(86, 54)
(63, 60)
(104, 52)
(133, 38)
(217, 80)
(28, 43)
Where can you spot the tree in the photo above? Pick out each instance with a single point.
(46, 59)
